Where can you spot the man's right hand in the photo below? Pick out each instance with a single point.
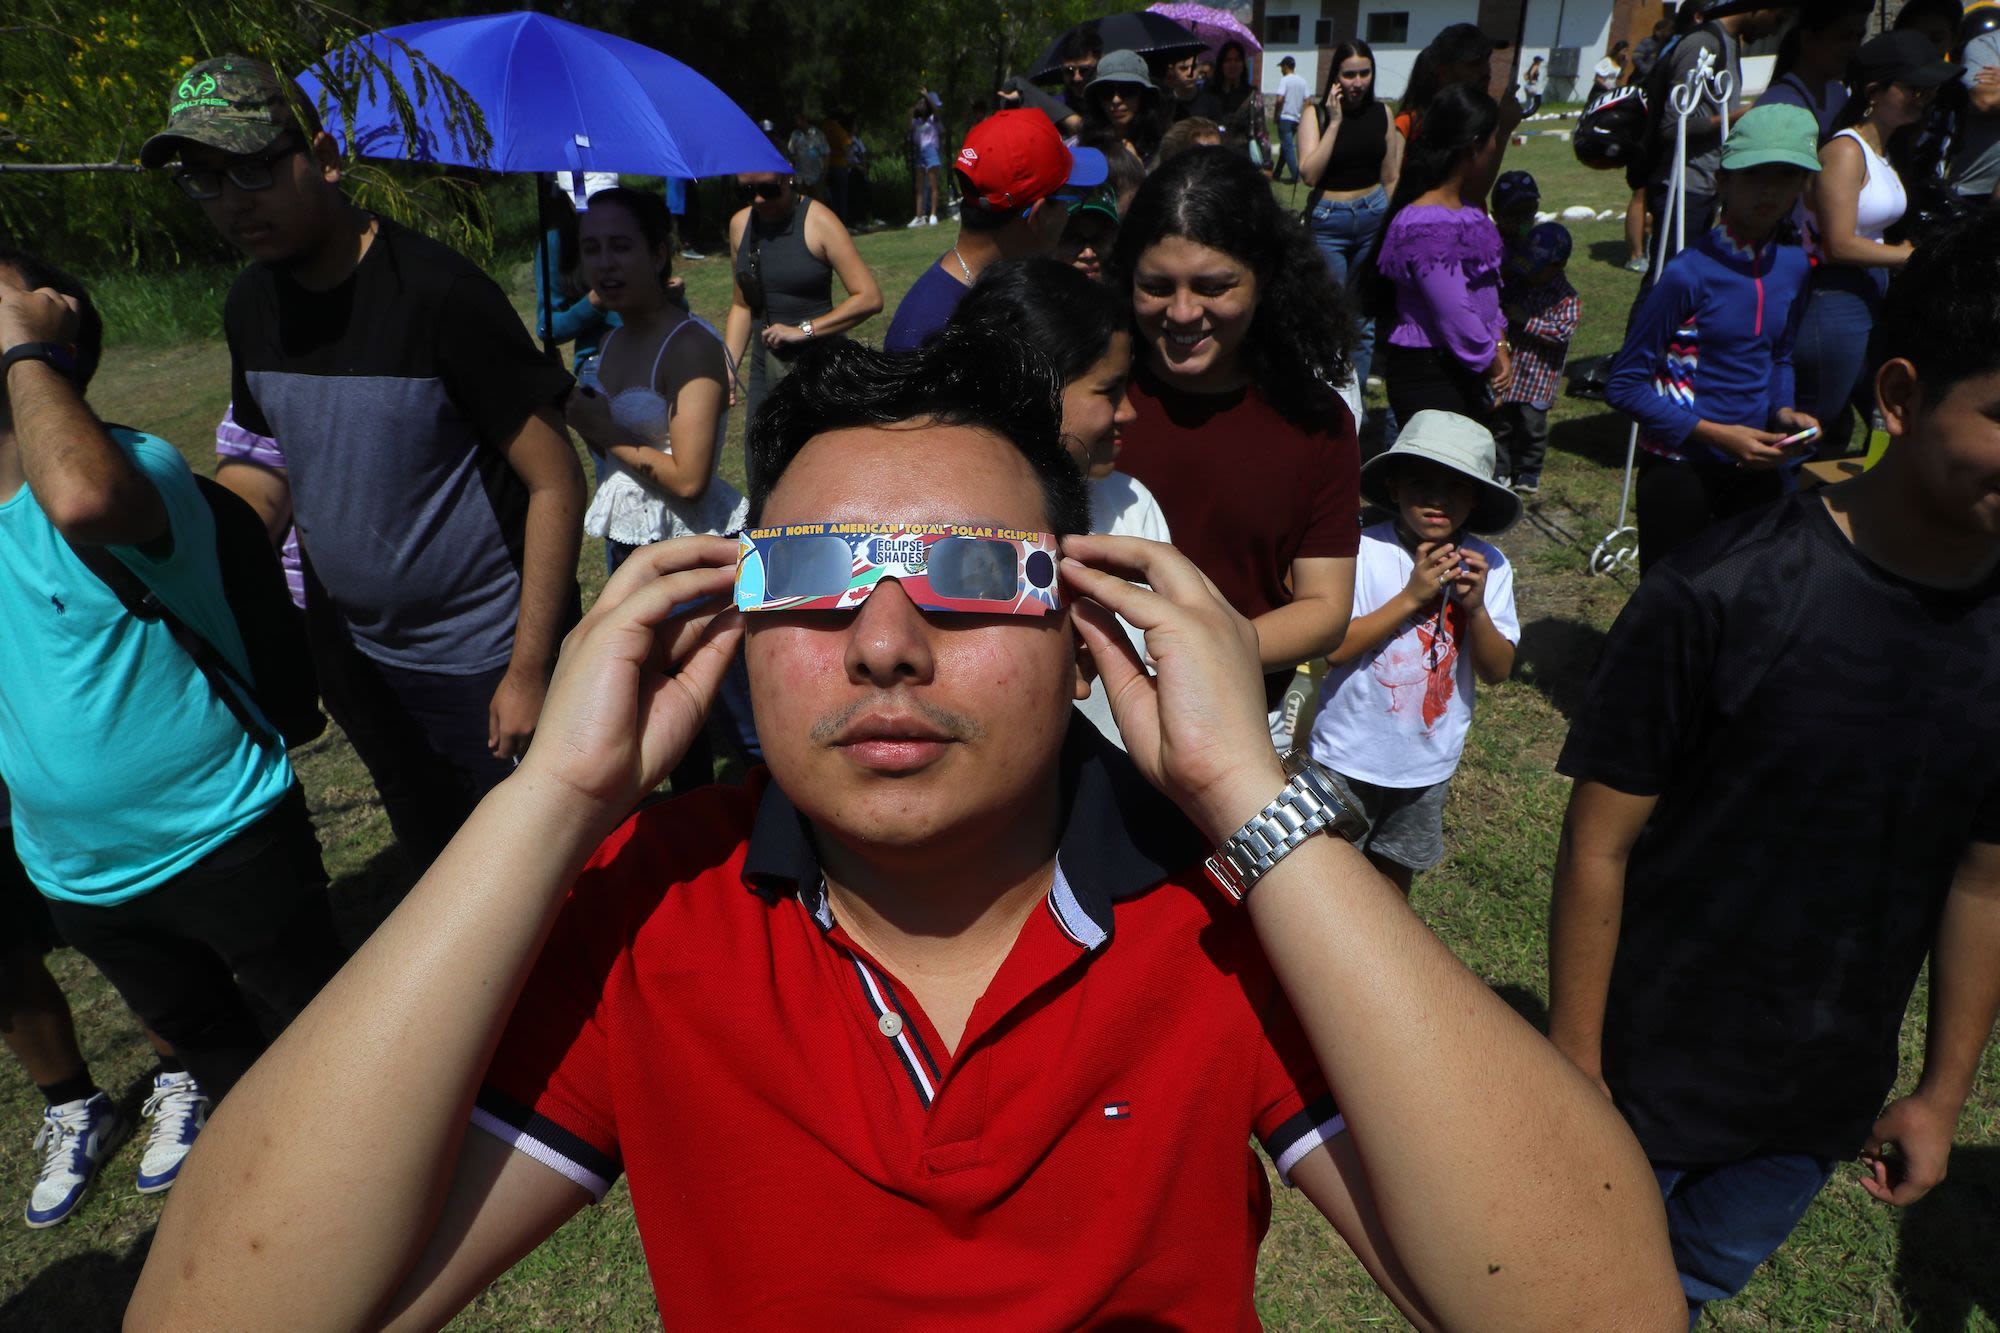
(638, 674)
(1748, 446)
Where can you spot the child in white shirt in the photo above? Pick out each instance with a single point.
(1433, 613)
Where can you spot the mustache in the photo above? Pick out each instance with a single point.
(956, 725)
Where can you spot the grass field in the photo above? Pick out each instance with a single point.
(1852, 1265)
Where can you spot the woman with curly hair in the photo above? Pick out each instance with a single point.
(1441, 257)
(1243, 346)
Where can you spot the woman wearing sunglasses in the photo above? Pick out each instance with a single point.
(787, 249)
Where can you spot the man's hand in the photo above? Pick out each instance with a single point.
(511, 716)
(1923, 1130)
(1750, 447)
(1197, 729)
(638, 674)
(40, 316)
(1469, 581)
(1432, 571)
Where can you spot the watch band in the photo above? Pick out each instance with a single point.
(60, 358)
(1314, 799)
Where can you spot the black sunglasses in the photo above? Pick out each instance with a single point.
(253, 172)
(766, 190)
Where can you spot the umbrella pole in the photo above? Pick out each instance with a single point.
(546, 263)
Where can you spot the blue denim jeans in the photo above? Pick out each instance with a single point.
(1830, 355)
(1723, 1221)
(1347, 231)
(1288, 149)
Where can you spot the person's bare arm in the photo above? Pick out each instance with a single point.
(1392, 161)
(1509, 1192)
(315, 1196)
(1428, 575)
(89, 488)
(1313, 623)
(736, 328)
(266, 490)
(1334, 1181)
(1316, 145)
(541, 456)
(1834, 195)
(1965, 998)
(832, 242)
(1585, 911)
(691, 375)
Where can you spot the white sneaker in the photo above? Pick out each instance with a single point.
(916, 221)
(931, 221)
(77, 1137)
(178, 1109)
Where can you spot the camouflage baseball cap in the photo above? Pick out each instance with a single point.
(233, 103)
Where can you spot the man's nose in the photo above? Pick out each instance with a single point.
(889, 640)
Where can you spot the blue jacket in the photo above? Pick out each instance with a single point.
(1712, 341)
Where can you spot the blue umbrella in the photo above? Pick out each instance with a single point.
(556, 97)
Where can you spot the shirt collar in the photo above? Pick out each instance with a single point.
(1743, 252)
(1120, 837)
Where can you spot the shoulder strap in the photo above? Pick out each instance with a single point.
(142, 603)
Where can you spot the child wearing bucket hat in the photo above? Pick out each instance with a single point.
(1706, 369)
(1433, 615)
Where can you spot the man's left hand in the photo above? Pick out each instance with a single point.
(1923, 1130)
(516, 707)
(1196, 726)
(41, 316)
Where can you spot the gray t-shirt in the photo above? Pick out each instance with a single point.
(1292, 94)
(394, 397)
(1704, 147)
(1975, 159)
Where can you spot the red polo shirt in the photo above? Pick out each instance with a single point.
(804, 1152)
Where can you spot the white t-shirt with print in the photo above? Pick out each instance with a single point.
(1397, 717)
(1121, 506)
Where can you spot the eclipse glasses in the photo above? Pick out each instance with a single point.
(939, 566)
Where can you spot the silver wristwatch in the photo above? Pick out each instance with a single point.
(1314, 799)
(807, 328)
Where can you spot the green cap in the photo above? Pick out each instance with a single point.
(1103, 201)
(1773, 132)
(233, 103)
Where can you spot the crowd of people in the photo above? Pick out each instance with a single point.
(1019, 897)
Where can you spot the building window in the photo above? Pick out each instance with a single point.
(1389, 29)
(1322, 32)
(1281, 29)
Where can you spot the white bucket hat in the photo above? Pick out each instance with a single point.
(1452, 441)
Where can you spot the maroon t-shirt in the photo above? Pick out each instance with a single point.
(1245, 491)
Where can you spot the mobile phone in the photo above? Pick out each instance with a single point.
(1807, 435)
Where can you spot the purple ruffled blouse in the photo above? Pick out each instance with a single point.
(1445, 263)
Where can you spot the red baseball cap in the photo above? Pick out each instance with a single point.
(1014, 159)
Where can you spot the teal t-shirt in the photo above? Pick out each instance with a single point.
(124, 767)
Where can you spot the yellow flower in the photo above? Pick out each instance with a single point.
(132, 42)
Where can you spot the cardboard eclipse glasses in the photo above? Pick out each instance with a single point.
(939, 566)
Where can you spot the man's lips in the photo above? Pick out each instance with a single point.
(892, 743)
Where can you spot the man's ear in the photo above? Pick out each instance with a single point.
(1900, 393)
(326, 154)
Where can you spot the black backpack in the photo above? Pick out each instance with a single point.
(283, 685)
(1622, 129)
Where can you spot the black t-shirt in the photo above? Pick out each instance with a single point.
(392, 397)
(1824, 740)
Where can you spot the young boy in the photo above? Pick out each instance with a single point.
(1542, 311)
(1433, 612)
(1706, 369)
(1787, 772)
(1515, 199)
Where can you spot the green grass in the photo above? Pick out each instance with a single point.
(1852, 1264)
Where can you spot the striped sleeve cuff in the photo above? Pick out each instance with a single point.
(526, 1131)
(1316, 1124)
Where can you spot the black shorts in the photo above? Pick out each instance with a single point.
(24, 913)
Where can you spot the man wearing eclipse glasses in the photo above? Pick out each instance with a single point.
(957, 1014)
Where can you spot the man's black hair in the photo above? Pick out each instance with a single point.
(962, 377)
(1080, 43)
(1941, 314)
(35, 273)
(973, 215)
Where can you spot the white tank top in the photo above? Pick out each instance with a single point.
(1882, 199)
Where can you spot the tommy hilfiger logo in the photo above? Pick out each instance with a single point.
(1118, 1111)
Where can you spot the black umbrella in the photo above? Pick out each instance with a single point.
(1152, 35)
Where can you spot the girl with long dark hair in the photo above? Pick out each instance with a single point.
(1238, 105)
(1351, 156)
(1441, 254)
(1243, 342)
(1123, 101)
